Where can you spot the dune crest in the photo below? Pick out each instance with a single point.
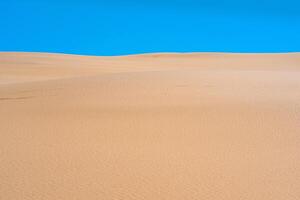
(153, 126)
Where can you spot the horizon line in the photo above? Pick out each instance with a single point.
(152, 53)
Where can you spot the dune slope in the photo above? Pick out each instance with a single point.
(150, 127)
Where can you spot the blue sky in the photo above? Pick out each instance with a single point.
(117, 27)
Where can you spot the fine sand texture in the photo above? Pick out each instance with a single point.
(208, 126)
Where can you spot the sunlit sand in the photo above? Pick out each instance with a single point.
(150, 127)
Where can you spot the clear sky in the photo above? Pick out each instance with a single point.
(116, 27)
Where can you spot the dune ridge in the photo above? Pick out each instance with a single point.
(150, 127)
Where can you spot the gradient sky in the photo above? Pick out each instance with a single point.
(116, 27)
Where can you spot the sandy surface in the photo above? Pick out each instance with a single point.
(150, 127)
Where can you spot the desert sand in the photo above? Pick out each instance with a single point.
(193, 126)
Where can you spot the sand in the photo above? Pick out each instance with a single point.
(150, 127)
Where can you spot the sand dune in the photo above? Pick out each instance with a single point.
(150, 127)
